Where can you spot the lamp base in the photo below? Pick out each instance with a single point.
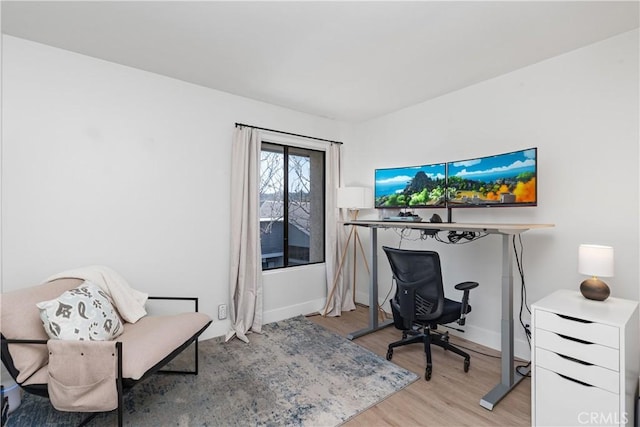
(594, 289)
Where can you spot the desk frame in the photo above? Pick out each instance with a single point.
(510, 377)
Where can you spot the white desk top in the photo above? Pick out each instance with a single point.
(454, 226)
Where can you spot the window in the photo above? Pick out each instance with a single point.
(291, 206)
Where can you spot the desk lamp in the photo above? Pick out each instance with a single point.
(595, 261)
(353, 199)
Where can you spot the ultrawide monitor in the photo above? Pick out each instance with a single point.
(507, 179)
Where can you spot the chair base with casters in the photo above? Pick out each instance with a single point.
(426, 336)
(419, 305)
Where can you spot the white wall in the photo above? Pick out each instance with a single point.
(105, 164)
(581, 110)
(112, 165)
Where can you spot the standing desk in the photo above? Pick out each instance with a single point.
(509, 377)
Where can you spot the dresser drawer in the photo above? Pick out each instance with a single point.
(561, 401)
(587, 373)
(576, 328)
(596, 354)
(585, 361)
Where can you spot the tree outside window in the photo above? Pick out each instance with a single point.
(292, 220)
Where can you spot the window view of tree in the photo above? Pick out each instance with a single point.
(300, 206)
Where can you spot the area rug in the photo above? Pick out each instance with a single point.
(295, 373)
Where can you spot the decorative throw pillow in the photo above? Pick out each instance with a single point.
(82, 313)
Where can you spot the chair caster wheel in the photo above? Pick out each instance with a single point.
(389, 354)
(466, 365)
(427, 374)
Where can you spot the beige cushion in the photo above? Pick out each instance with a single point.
(152, 338)
(147, 342)
(20, 319)
(41, 376)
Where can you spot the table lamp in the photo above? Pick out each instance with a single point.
(595, 261)
(354, 199)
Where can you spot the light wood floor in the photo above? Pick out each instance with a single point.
(450, 398)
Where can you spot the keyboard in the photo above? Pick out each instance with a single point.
(403, 218)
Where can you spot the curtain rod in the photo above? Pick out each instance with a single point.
(289, 133)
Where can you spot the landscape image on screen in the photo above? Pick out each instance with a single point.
(411, 187)
(502, 180)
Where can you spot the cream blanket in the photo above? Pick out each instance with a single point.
(128, 301)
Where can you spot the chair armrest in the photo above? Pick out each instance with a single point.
(466, 287)
(22, 341)
(194, 299)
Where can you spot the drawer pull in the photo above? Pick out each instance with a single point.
(574, 380)
(566, 337)
(575, 319)
(573, 359)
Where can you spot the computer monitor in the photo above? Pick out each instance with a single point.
(500, 180)
(411, 187)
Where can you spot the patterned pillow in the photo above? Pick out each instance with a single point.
(82, 313)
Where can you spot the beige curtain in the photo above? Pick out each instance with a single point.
(338, 295)
(245, 272)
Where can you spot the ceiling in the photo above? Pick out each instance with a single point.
(349, 61)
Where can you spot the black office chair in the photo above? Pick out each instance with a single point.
(419, 304)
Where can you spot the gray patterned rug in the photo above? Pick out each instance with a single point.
(296, 373)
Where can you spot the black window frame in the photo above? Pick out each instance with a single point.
(285, 151)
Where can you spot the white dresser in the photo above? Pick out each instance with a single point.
(585, 360)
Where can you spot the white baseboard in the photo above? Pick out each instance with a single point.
(288, 312)
(493, 340)
(472, 333)
(221, 327)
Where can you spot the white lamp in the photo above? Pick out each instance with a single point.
(353, 199)
(595, 261)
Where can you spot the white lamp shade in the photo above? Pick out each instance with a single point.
(595, 260)
(354, 198)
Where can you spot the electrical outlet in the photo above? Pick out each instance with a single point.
(222, 311)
